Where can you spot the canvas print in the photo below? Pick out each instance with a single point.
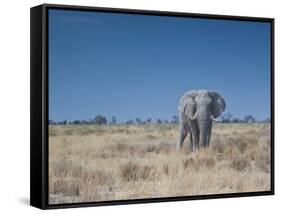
(147, 106)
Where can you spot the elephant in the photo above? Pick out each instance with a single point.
(197, 111)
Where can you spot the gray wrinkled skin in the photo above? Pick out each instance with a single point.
(197, 110)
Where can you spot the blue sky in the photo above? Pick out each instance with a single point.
(131, 66)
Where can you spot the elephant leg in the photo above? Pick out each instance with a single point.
(190, 145)
(195, 135)
(209, 136)
(182, 136)
(196, 142)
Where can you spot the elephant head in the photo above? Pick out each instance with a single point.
(200, 108)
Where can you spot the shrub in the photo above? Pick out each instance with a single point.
(134, 172)
(206, 162)
(129, 171)
(189, 163)
(239, 164)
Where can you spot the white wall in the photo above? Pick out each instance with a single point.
(14, 108)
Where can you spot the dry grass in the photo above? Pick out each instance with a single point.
(97, 163)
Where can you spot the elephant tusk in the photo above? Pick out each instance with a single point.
(214, 119)
(194, 116)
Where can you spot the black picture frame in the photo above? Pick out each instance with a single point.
(39, 105)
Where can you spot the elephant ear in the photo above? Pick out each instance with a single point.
(187, 103)
(218, 104)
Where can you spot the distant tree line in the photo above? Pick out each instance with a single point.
(229, 118)
(102, 120)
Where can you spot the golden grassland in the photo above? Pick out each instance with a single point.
(118, 162)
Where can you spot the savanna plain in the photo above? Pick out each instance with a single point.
(117, 162)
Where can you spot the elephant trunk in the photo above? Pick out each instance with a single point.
(205, 125)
